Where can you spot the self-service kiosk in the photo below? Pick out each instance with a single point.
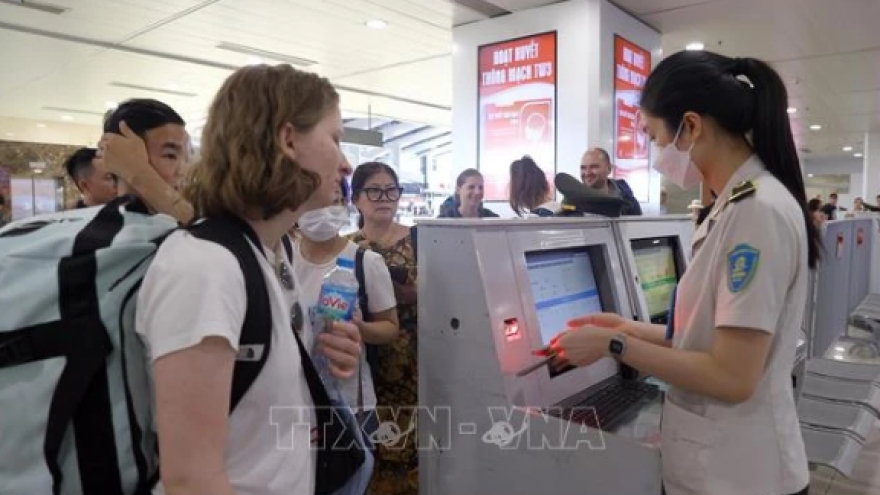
(655, 253)
(490, 293)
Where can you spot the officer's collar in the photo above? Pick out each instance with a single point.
(749, 170)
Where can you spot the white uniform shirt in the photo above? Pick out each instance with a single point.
(195, 289)
(749, 270)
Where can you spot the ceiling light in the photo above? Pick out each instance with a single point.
(38, 171)
(41, 125)
(696, 45)
(265, 55)
(376, 24)
(847, 148)
(66, 117)
(252, 60)
(809, 175)
(172, 87)
(111, 104)
(858, 155)
(791, 110)
(43, 7)
(816, 127)
(151, 89)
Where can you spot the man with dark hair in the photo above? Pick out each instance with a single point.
(596, 171)
(96, 185)
(160, 128)
(146, 146)
(830, 209)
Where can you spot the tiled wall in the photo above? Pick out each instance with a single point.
(16, 158)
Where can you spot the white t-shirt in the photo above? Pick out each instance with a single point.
(380, 292)
(195, 289)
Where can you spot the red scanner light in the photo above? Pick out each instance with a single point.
(511, 329)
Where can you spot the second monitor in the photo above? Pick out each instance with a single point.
(655, 251)
(658, 273)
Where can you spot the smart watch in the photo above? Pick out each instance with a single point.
(617, 346)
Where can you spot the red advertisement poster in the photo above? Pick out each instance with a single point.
(517, 108)
(632, 64)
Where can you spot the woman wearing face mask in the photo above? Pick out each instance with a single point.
(317, 247)
(468, 197)
(375, 193)
(729, 422)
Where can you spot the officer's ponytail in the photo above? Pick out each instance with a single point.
(743, 96)
(772, 139)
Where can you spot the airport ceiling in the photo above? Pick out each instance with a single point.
(65, 61)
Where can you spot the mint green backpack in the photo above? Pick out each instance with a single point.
(76, 407)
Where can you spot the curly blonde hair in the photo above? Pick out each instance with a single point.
(242, 165)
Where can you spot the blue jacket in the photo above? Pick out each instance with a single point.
(633, 207)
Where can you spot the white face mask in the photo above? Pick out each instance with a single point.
(677, 166)
(323, 224)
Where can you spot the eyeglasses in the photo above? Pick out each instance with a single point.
(377, 193)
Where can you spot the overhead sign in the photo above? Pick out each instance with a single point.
(632, 65)
(517, 108)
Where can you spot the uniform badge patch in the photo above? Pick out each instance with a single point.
(742, 263)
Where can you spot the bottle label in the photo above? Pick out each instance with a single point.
(337, 303)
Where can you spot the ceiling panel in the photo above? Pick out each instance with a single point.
(463, 15)
(419, 75)
(839, 26)
(111, 21)
(515, 5)
(22, 67)
(91, 90)
(643, 7)
(181, 37)
(850, 72)
(828, 54)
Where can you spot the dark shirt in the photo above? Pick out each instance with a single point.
(621, 188)
(449, 209)
(829, 210)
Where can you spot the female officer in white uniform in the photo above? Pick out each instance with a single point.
(729, 423)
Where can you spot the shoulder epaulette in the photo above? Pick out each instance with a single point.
(742, 190)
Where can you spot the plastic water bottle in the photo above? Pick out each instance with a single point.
(337, 302)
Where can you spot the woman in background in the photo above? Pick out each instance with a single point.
(819, 217)
(468, 197)
(530, 193)
(376, 193)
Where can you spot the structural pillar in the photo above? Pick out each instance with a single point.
(871, 168)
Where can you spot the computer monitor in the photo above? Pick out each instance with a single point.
(566, 284)
(658, 273)
(563, 286)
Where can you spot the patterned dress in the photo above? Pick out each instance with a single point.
(397, 382)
